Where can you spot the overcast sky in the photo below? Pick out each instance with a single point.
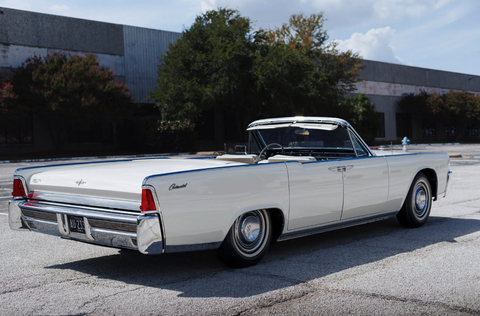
(435, 34)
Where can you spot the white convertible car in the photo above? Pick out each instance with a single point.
(301, 176)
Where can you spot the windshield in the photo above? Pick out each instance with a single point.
(300, 137)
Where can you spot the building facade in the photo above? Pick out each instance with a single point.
(386, 83)
(134, 53)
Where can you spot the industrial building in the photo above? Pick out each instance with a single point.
(385, 83)
(134, 52)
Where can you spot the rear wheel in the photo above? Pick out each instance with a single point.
(416, 209)
(248, 239)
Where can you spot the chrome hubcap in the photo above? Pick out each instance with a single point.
(421, 200)
(250, 228)
(250, 232)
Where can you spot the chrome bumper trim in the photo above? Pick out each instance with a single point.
(15, 216)
(149, 232)
(74, 210)
(142, 232)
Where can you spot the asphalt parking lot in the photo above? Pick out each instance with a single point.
(374, 269)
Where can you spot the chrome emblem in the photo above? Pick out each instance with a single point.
(174, 186)
(80, 182)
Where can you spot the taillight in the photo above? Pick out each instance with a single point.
(18, 189)
(148, 203)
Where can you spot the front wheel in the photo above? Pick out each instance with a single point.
(247, 240)
(416, 208)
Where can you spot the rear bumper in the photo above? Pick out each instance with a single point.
(142, 232)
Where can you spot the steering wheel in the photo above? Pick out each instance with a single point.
(268, 146)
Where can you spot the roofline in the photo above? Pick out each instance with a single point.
(303, 119)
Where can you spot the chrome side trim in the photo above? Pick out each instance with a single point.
(338, 225)
(87, 201)
(195, 247)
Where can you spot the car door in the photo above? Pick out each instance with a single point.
(366, 183)
(316, 193)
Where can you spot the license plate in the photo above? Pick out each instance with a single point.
(76, 224)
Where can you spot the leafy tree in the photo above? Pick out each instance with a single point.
(10, 114)
(208, 68)
(416, 104)
(460, 109)
(362, 116)
(331, 73)
(64, 90)
(220, 64)
(286, 83)
(8, 99)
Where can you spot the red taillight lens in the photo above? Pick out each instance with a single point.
(18, 189)
(148, 203)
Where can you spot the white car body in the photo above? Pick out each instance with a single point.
(197, 201)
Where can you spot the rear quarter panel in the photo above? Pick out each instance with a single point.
(404, 168)
(206, 203)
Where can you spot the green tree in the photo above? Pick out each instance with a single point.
(459, 109)
(362, 116)
(416, 105)
(207, 69)
(8, 100)
(286, 83)
(220, 64)
(330, 74)
(305, 34)
(62, 90)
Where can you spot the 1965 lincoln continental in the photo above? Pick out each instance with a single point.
(300, 176)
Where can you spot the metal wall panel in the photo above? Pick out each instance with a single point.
(34, 29)
(143, 50)
(415, 76)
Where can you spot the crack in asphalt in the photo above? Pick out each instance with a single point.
(32, 287)
(406, 300)
(306, 289)
(465, 201)
(312, 289)
(275, 301)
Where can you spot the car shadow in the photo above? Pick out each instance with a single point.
(200, 274)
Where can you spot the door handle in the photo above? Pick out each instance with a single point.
(336, 168)
(341, 168)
